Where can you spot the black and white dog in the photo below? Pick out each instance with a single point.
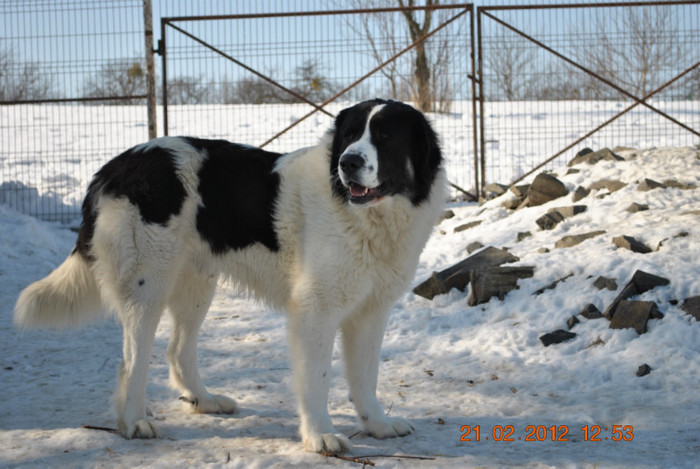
(330, 234)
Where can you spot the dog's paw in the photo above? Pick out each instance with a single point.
(212, 404)
(388, 427)
(327, 443)
(142, 428)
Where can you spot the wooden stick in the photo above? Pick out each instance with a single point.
(103, 429)
(364, 462)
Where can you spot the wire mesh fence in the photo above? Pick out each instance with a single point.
(558, 78)
(62, 96)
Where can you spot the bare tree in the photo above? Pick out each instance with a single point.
(22, 81)
(311, 82)
(187, 90)
(424, 79)
(691, 88)
(510, 60)
(125, 78)
(635, 49)
(308, 81)
(380, 33)
(421, 70)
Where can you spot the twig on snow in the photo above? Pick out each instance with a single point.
(364, 462)
(103, 429)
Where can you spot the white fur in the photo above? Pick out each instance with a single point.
(348, 283)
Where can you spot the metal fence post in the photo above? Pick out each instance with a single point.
(150, 69)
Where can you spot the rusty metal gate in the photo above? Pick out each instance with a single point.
(307, 66)
(614, 66)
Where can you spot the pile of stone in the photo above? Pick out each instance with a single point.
(486, 274)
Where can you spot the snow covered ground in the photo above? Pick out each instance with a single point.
(445, 365)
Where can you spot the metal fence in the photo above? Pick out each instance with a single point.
(512, 89)
(62, 112)
(557, 78)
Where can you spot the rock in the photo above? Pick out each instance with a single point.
(556, 337)
(585, 151)
(580, 193)
(523, 235)
(569, 211)
(628, 242)
(610, 184)
(573, 240)
(635, 207)
(549, 220)
(475, 246)
(649, 184)
(679, 185)
(457, 276)
(496, 281)
(447, 214)
(520, 191)
(633, 314)
(640, 283)
(643, 370)
(431, 287)
(592, 157)
(572, 321)
(591, 312)
(620, 149)
(512, 203)
(543, 250)
(544, 188)
(495, 189)
(467, 226)
(691, 212)
(692, 306)
(555, 215)
(524, 204)
(604, 282)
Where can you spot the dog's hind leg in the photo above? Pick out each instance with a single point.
(188, 305)
(139, 319)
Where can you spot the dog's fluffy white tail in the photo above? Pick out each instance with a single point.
(67, 297)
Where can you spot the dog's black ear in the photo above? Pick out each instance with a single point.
(336, 186)
(426, 159)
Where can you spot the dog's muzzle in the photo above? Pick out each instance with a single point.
(351, 168)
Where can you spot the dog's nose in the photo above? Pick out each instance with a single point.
(351, 162)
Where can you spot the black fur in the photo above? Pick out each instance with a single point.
(144, 175)
(400, 133)
(238, 189)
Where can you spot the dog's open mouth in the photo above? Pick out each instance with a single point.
(362, 195)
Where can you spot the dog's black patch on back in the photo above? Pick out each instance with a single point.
(146, 176)
(238, 189)
(403, 138)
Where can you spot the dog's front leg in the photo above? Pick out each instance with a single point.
(311, 337)
(362, 341)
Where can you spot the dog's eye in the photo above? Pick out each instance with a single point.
(380, 135)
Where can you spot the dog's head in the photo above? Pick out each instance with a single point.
(383, 149)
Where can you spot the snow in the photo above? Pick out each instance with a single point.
(445, 364)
